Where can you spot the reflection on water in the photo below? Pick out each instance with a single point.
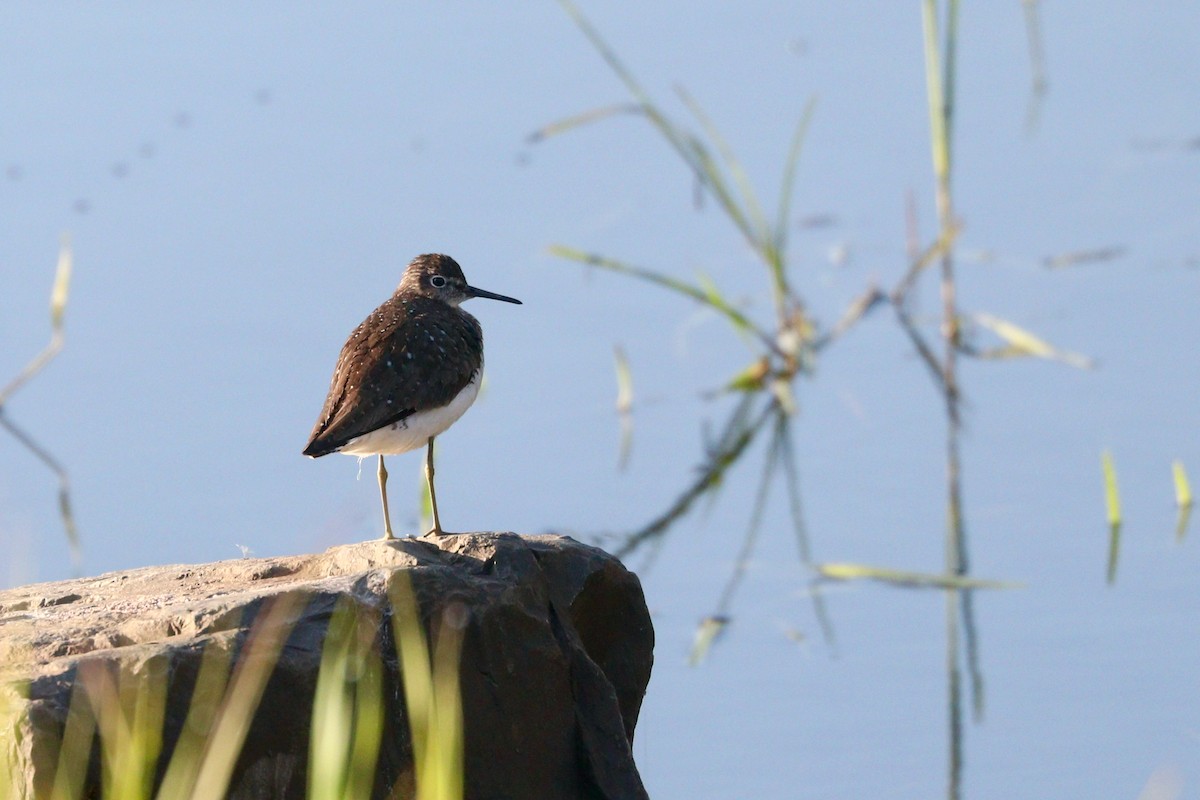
(790, 346)
(58, 307)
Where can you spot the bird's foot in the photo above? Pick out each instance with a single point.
(436, 531)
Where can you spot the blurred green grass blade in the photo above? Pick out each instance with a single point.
(431, 692)
(216, 662)
(707, 633)
(100, 689)
(1037, 65)
(1181, 522)
(1114, 552)
(644, 103)
(146, 726)
(75, 748)
(584, 118)
(128, 709)
(714, 298)
(935, 97)
(742, 561)
(840, 571)
(739, 320)
(788, 184)
(416, 675)
(693, 153)
(949, 78)
(737, 428)
(13, 696)
(1183, 489)
(604, 50)
(749, 209)
(347, 721)
(368, 724)
(254, 666)
(1112, 496)
(791, 476)
(1037, 51)
(445, 763)
(1021, 342)
(737, 435)
(331, 738)
(709, 173)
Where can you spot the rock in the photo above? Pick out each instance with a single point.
(557, 651)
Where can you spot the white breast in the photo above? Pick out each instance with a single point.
(414, 431)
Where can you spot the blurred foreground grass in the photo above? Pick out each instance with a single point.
(119, 715)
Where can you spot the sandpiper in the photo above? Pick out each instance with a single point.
(406, 374)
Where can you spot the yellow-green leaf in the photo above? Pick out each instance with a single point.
(1023, 343)
(751, 378)
(840, 571)
(1112, 496)
(624, 381)
(1183, 490)
(707, 633)
(584, 118)
(62, 283)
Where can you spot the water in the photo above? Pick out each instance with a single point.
(255, 179)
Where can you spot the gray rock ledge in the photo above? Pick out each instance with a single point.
(557, 654)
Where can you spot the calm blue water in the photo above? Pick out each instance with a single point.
(244, 183)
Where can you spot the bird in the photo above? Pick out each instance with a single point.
(406, 374)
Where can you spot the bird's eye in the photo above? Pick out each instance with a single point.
(438, 281)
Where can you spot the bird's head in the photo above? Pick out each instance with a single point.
(441, 278)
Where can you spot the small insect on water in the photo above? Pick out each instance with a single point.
(406, 374)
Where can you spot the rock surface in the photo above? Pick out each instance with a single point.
(557, 652)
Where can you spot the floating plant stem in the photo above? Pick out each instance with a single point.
(1183, 489)
(1112, 496)
(58, 306)
(1183, 498)
(1112, 504)
(624, 405)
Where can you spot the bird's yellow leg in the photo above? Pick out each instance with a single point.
(437, 523)
(387, 520)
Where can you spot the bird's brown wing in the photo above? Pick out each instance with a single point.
(406, 356)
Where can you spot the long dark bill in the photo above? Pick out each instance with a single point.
(491, 295)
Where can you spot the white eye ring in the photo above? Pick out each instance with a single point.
(438, 281)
